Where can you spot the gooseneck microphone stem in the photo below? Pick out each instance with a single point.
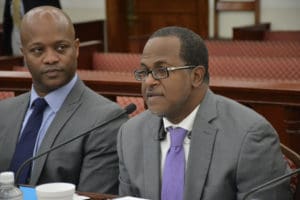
(273, 181)
(127, 110)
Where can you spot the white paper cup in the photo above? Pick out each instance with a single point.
(55, 191)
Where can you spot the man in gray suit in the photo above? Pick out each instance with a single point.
(228, 149)
(50, 52)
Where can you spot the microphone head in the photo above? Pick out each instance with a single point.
(130, 108)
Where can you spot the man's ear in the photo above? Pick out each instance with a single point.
(198, 75)
(76, 45)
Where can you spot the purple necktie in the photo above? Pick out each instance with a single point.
(25, 146)
(173, 174)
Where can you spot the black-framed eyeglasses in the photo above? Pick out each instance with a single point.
(157, 73)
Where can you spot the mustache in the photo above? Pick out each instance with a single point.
(153, 93)
(51, 69)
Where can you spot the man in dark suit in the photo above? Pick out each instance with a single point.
(8, 22)
(193, 144)
(50, 52)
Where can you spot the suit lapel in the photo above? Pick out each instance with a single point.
(200, 155)
(201, 148)
(151, 162)
(8, 144)
(68, 108)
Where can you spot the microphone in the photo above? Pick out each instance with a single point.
(273, 181)
(127, 110)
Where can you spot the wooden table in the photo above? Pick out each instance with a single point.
(103, 82)
(279, 102)
(97, 196)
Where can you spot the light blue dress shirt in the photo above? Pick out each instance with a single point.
(55, 99)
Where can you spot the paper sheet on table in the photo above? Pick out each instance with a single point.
(129, 198)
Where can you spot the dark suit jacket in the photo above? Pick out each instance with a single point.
(8, 22)
(232, 150)
(90, 162)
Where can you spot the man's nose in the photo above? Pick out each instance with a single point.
(51, 56)
(149, 80)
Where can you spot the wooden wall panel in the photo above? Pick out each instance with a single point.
(91, 30)
(165, 6)
(138, 19)
(116, 18)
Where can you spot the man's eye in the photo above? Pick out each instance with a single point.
(142, 71)
(162, 66)
(62, 47)
(160, 69)
(36, 50)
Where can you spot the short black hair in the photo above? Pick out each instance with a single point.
(192, 48)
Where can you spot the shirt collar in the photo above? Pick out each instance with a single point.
(186, 123)
(55, 98)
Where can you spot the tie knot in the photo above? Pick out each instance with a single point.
(39, 104)
(177, 136)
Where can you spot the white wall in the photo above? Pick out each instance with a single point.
(283, 14)
(78, 10)
(84, 10)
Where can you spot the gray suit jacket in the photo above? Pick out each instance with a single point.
(90, 162)
(232, 150)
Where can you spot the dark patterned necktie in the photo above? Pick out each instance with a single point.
(25, 146)
(174, 169)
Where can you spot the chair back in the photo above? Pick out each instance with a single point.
(222, 5)
(8, 62)
(294, 162)
(120, 62)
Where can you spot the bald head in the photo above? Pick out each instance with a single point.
(46, 16)
(49, 48)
